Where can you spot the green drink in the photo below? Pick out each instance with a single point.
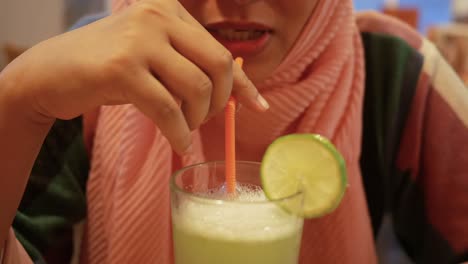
(210, 227)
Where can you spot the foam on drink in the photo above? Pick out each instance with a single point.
(247, 217)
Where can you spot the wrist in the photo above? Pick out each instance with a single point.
(17, 95)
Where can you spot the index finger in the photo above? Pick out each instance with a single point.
(245, 91)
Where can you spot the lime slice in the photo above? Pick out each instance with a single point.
(306, 163)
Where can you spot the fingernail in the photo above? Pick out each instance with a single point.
(262, 102)
(239, 106)
(206, 120)
(188, 150)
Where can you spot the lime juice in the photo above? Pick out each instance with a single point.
(236, 232)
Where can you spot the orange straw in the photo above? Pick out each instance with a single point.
(230, 141)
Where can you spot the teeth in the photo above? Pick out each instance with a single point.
(240, 35)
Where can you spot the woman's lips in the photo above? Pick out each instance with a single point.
(241, 39)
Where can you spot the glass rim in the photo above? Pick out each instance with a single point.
(175, 188)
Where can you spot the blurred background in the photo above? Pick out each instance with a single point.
(23, 23)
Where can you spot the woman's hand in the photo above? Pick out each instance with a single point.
(153, 55)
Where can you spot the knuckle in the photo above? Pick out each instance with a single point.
(117, 64)
(148, 16)
(203, 87)
(168, 110)
(154, 9)
(224, 59)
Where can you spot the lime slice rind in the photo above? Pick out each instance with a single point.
(307, 164)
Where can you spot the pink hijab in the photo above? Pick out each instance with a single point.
(317, 88)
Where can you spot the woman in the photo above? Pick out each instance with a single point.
(370, 93)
